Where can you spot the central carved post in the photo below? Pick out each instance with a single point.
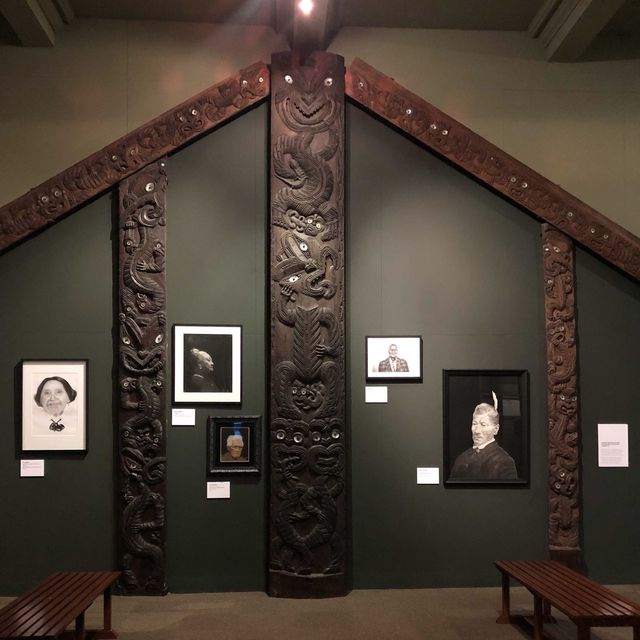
(308, 519)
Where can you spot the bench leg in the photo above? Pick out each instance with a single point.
(505, 615)
(80, 627)
(584, 632)
(107, 609)
(636, 633)
(537, 618)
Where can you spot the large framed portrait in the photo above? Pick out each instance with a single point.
(54, 405)
(486, 427)
(233, 444)
(394, 358)
(207, 364)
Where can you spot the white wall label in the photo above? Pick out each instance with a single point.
(218, 490)
(376, 394)
(31, 468)
(183, 417)
(428, 475)
(613, 445)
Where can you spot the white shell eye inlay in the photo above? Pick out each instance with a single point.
(288, 79)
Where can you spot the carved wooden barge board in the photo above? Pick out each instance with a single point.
(308, 530)
(562, 396)
(141, 382)
(496, 169)
(165, 134)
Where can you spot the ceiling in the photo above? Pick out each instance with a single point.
(568, 29)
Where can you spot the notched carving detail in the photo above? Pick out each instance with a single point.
(562, 397)
(142, 365)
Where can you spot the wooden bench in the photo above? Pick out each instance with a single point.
(583, 601)
(50, 607)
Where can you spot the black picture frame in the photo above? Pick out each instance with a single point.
(220, 459)
(54, 405)
(408, 359)
(195, 347)
(463, 392)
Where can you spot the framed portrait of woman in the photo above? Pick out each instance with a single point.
(207, 364)
(54, 405)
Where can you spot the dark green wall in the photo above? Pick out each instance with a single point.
(56, 293)
(217, 204)
(609, 352)
(430, 253)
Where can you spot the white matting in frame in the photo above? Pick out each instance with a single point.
(394, 358)
(54, 405)
(207, 364)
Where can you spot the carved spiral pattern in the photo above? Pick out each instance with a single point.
(562, 397)
(308, 502)
(89, 177)
(142, 364)
(495, 168)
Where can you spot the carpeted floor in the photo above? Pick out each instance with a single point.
(394, 614)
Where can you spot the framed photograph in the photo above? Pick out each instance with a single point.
(394, 358)
(486, 427)
(54, 405)
(233, 444)
(207, 364)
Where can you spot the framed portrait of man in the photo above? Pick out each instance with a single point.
(207, 364)
(233, 444)
(54, 405)
(486, 427)
(394, 358)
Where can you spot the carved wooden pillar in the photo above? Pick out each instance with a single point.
(309, 538)
(141, 381)
(562, 397)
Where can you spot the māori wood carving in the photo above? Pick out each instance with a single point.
(173, 129)
(142, 381)
(496, 169)
(308, 525)
(562, 396)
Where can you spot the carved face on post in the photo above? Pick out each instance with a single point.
(306, 104)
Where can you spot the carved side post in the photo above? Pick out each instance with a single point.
(141, 381)
(562, 397)
(308, 513)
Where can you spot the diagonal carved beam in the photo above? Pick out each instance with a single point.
(496, 169)
(165, 134)
(562, 396)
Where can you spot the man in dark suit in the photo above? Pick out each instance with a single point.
(393, 363)
(486, 460)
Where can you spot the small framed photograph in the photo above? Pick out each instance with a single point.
(233, 444)
(394, 358)
(54, 405)
(486, 427)
(207, 362)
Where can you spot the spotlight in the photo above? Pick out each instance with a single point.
(306, 6)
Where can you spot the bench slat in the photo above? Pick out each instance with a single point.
(48, 609)
(36, 619)
(602, 601)
(570, 592)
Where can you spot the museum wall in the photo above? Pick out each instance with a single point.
(430, 253)
(609, 352)
(57, 302)
(576, 123)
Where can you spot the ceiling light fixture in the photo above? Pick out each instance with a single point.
(306, 6)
